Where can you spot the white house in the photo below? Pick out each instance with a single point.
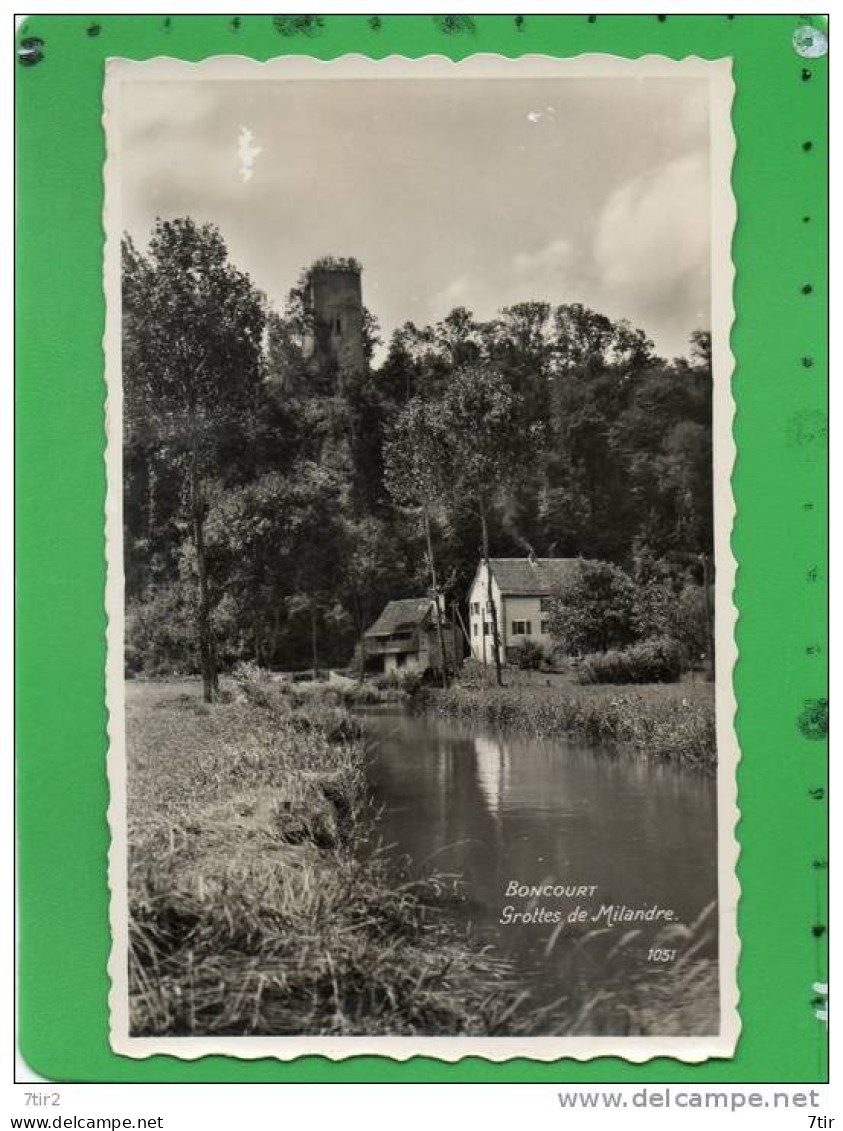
(521, 591)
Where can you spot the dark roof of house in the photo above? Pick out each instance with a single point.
(397, 615)
(532, 576)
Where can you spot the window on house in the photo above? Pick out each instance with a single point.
(486, 627)
(475, 607)
(488, 606)
(545, 628)
(522, 628)
(338, 325)
(474, 629)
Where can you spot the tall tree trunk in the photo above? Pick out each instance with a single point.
(206, 653)
(276, 632)
(256, 635)
(443, 659)
(455, 639)
(496, 640)
(215, 668)
(360, 624)
(313, 641)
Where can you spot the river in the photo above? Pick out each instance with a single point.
(505, 812)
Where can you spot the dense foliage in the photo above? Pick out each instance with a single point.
(649, 661)
(269, 517)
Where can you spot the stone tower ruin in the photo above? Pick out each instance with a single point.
(334, 301)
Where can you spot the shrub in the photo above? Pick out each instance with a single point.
(471, 672)
(530, 656)
(651, 661)
(411, 682)
(407, 682)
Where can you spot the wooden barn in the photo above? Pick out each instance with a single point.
(404, 638)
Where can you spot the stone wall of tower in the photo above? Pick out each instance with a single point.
(335, 299)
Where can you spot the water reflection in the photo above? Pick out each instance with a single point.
(493, 770)
(504, 809)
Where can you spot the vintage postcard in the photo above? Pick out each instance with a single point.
(421, 635)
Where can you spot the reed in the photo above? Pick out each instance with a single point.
(660, 723)
(679, 999)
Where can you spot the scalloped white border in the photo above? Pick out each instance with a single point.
(723, 218)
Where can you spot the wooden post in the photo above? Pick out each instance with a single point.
(458, 615)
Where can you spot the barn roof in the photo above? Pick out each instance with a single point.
(532, 576)
(397, 615)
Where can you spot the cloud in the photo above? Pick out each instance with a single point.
(552, 258)
(456, 293)
(652, 239)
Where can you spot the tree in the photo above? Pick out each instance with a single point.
(457, 336)
(654, 607)
(279, 543)
(519, 343)
(373, 572)
(479, 416)
(593, 609)
(192, 330)
(694, 626)
(554, 428)
(415, 466)
(315, 545)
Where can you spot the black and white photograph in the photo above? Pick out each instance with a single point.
(420, 621)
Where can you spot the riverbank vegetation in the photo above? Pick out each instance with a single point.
(665, 722)
(256, 905)
(260, 905)
(677, 999)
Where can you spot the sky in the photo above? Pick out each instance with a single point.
(477, 193)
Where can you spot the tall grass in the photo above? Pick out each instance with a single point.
(254, 906)
(663, 727)
(680, 998)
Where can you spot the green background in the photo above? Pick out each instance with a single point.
(779, 482)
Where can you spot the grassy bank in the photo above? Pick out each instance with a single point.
(666, 722)
(253, 907)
